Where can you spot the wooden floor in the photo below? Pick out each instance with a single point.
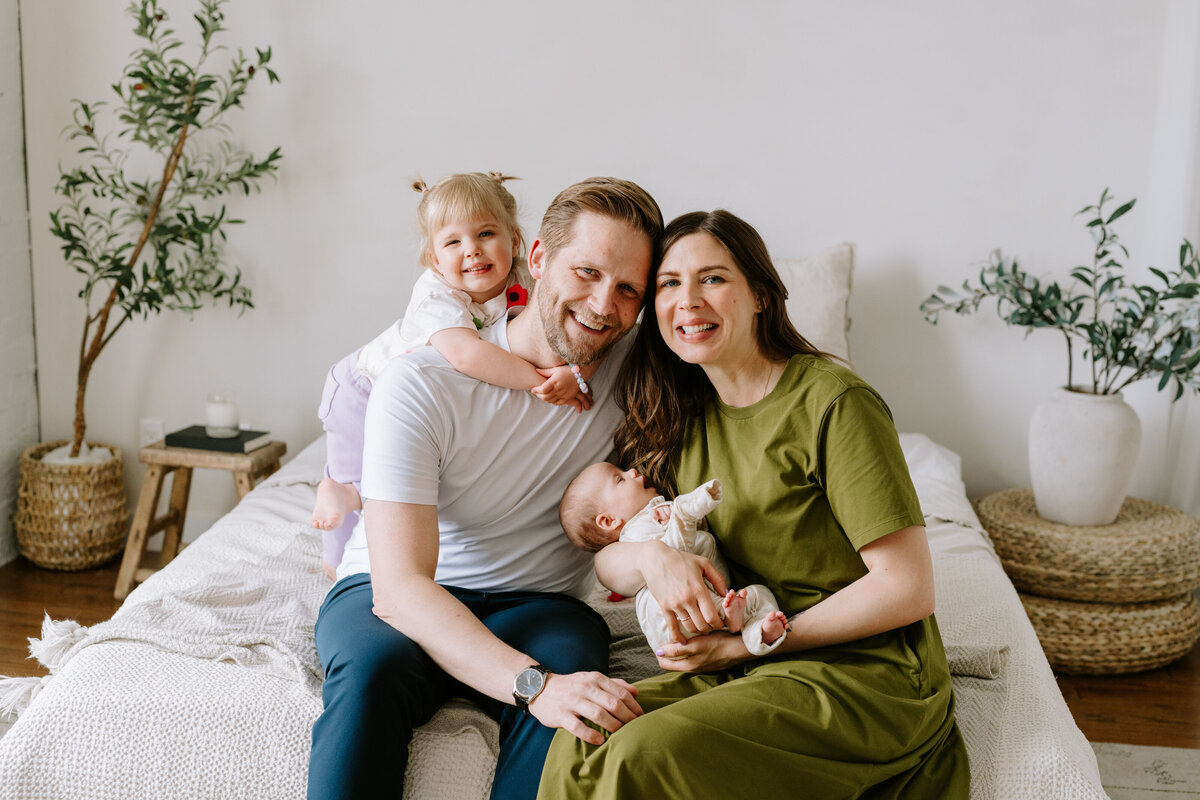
(1160, 707)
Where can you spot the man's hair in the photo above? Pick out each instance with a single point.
(465, 196)
(577, 514)
(610, 197)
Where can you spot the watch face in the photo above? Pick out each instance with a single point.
(529, 682)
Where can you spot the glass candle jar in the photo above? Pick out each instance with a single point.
(221, 415)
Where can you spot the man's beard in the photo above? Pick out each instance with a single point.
(554, 320)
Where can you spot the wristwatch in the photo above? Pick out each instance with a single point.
(529, 684)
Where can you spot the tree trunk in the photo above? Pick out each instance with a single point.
(89, 353)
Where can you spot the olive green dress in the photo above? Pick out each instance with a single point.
(811, 473)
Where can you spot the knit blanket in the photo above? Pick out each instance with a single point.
(256, 614)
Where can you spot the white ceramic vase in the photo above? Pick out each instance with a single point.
(1083, 448)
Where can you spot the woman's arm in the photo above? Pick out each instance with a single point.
(402, 539)
(492, 364)
(896, 591)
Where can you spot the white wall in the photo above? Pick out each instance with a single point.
(927, 132)
(18, 393)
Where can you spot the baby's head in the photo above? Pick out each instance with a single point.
(599, 501)
(474, 209)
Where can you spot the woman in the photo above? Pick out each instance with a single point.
(820, 508)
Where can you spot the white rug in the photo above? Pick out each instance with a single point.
(1129, 772)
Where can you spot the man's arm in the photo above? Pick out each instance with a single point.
(402, 539)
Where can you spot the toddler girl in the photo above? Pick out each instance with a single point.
(603, 504)
(471, 246)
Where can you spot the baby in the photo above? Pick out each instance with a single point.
(603, 504)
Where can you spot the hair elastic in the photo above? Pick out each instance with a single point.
(583, 387)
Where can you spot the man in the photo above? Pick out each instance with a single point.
(467, 587)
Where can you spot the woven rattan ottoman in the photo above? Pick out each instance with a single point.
(1106, 599)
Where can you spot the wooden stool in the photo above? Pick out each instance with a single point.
(162, 460)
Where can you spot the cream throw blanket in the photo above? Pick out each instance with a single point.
(258, 615)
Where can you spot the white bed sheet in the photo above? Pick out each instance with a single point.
(129, 713)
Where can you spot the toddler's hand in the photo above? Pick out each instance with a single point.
(560, 388)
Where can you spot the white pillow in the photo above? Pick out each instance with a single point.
(819, 296)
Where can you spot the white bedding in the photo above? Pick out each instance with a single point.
(205, 683)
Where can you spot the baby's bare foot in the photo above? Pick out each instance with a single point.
(774, 625)
(734, 604)
(334, 501)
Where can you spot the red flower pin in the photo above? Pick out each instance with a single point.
(517, 296)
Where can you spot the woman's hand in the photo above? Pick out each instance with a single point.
(567, 700)
(709, 653)
(679, 581)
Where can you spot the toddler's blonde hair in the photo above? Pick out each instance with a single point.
(466, 196)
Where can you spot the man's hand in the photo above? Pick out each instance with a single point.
(567, 700)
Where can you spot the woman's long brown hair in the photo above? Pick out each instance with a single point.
(656, 389)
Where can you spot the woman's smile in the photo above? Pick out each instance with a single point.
(694, 328)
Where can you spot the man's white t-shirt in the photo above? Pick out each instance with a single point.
(494, 461)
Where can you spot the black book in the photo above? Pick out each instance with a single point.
(194, 437)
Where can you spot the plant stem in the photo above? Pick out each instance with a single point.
(1070, 360)
(99, 340)
(1096, 290)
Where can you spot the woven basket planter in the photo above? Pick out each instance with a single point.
(1113, 638)
(1151, 552)
(70, 516)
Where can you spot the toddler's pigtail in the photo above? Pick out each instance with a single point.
(420, 186)
(500, 177)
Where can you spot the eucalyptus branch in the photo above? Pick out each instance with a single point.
(1130, 332)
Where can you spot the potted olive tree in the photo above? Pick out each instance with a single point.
(142, 243)
(1083, 442)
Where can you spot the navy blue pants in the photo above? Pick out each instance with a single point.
(379, 685)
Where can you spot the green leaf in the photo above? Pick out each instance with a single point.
(1120, 212)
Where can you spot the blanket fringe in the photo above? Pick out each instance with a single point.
(57, 640)
(52, 651)
(17, 693)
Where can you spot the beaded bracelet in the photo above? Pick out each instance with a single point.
(583, 387)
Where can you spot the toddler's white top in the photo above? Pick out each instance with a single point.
(436, 306)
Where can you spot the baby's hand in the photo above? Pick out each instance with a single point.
(714, 490)
(661, 513)
(560, 388)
